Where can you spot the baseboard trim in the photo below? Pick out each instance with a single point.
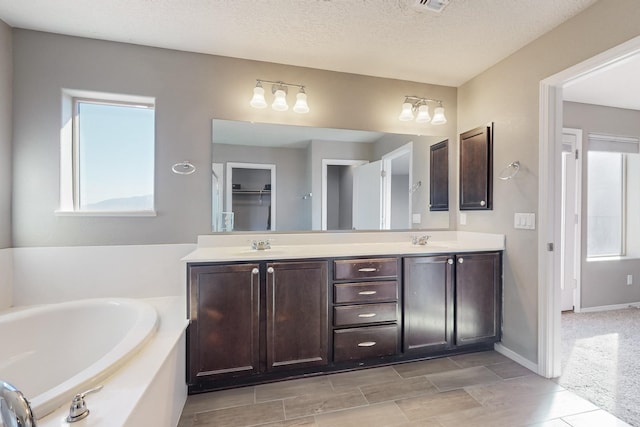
(610, 307)
(515, 357)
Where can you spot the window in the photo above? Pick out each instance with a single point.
(107, 163)
(605, 210)
(613, 208)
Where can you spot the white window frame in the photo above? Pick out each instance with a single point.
(69, 177)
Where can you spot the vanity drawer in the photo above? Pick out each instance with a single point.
(365, 268)
(344, 293)
(365, 313)
(364, 343)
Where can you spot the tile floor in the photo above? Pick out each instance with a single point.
(478, 389)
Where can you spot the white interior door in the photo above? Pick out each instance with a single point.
(570, 243)
(367, 197)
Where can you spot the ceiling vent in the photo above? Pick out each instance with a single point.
(436, 6)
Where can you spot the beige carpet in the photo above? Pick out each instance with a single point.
(601, 360)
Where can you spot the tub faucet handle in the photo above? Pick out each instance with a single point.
(78, 410)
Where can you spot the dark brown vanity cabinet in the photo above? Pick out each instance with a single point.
(478, 298)
(296, 323)
(224, 331)
(439, 176)
(428, 303)
(451, 301)
(254, 322)
(366, 310)
(476, 169)
(252, 318)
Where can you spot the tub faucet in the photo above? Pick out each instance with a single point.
(14, 408)
(78, 410)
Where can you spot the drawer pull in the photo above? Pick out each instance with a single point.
(367, 270)
(366, 315)
(367, 292)
(367, 344)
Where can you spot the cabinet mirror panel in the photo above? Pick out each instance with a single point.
(270, 177)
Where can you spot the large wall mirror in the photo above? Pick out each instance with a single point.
(269, 177)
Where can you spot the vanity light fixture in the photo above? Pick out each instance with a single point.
(279, 91)
(419, 105)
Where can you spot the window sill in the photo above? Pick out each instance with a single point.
(106, 213)
(612, 258)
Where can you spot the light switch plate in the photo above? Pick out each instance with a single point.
(524, 221)
(416, 218)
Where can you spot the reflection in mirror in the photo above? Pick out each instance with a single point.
(320, 179)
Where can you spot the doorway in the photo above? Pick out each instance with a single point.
(337, 193)
(250, 196)
(549, 199)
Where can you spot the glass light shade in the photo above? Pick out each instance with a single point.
(407, 113)
(258, 100)
(301, 105)
(423, 114)
(280, 101)
(438, 116)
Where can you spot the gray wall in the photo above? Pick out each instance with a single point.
(190, 89)
(508, 95)
(604, 282)
(6, 81)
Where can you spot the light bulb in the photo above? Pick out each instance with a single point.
(280, 101)
(258, 100)
(407, 113)
(438, 116)
(423, 114)
(301, 105)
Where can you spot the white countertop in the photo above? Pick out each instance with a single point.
(213, 248)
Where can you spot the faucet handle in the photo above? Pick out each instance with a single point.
(78, 409)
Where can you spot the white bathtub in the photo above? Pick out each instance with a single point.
(51, 352)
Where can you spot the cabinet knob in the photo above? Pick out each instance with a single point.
(270, 270)
(367, 344)
(255, 271)
(450, 261)
(460, 260)
(482, 203)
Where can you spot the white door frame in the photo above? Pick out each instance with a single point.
(387, 169)
(549, 161)
(325, 165)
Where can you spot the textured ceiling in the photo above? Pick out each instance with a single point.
(384, 38)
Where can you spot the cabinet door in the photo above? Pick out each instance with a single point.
(439, 177)
(476, 168)
(428, 303)
(477, 298)
(223, 336)
(297, 328)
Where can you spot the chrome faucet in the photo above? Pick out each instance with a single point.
(420, 240)
(261, 245)
(78, 410)
(14, 407)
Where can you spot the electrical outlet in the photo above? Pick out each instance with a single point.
(463, 218)
(629, 279)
